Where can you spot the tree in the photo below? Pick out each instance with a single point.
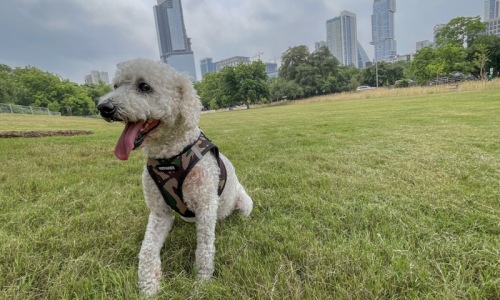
(388, 73)
(252, 85)
(234, 85)
(74, 100)
(421, 60)
(436, 67)
(96, 91)
(460, 31)
(209, 91)
(481, 58)
(36, 86)
(491, 44)
(284, 89)
(315, 73)
(291, 59)
(8, 88)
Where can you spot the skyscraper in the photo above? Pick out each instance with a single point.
(363, 60)
(341, 38)
(206, 66)
(492, 16)
(422, 44)
(383, 37)
(96, 76)
(175, 46)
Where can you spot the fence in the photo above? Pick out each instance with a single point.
(30, 110)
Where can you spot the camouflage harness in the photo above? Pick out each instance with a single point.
(169, 174)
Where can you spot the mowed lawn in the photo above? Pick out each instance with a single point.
(377, 198)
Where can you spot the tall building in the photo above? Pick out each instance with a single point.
(341, 38)
(232, 61)
(206, 66)
(175, 46)
(422, 44)
(383, 37)
(363, 59)
(492, 16)
(96, 76)
(318, 45)
(271, 69)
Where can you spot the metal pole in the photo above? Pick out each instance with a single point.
(376, 70)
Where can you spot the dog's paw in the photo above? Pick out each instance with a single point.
(244, 205)
(151, 285)
(203, 276)
(149, 288)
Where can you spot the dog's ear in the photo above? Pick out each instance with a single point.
(190, 104)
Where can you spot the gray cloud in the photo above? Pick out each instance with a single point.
(73, 37)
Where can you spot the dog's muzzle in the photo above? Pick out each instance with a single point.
(107, 110)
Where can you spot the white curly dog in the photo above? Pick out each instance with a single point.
(161, 111)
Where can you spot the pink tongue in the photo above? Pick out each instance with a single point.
(125, 144)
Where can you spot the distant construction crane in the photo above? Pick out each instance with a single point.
(257, 55)
(274, 59)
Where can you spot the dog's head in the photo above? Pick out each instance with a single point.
(148, 94)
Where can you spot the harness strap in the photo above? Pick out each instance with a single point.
(169, 174)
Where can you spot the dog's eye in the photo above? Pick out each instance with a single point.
(144, 87)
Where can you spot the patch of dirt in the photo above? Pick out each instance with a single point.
(42, 133)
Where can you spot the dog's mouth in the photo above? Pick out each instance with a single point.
(132, 137)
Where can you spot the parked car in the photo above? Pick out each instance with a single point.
(364, 87)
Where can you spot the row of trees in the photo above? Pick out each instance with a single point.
(234, 85)
(461, 48)
(33, 87)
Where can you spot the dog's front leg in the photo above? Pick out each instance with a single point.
(149, 258)
(206, 219)
(159, 225)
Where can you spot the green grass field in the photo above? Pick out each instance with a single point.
(381, 197)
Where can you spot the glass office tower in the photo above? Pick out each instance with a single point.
(341, 38)
(383, 37)
(175, 46)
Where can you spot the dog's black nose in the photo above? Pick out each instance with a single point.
(107, 110)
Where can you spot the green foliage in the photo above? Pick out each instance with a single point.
(210, 91)
(421, 60)
(446, 60)
(454, 58)
(9, 90)
(481, 58)
(388, 73)
(461, 48)
(283, 89)
(291, 60)
(318, 72)
(243, 84)
(33, 87)
(95, 91)
(460, 31)
(251, 83)
(350, 77)
(491, 44)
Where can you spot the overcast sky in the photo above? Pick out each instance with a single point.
(73, 37)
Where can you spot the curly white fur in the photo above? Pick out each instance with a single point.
(174, 102)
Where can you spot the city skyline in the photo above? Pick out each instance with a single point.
(71, 38)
